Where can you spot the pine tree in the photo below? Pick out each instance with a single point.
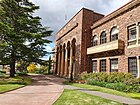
(22, 36)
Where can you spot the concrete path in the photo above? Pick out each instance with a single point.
(45, 90)
(124, 100)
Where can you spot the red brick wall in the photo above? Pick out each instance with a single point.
(122, 22)
(89, 17)
(82, 33)
(75, 33)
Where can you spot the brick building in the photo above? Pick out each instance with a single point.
(72, 41)
(116, 41)
(93, 43)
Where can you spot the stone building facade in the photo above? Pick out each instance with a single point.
(115, 43)
(72, 41)
(94, 43)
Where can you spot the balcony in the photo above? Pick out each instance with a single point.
(106, 47)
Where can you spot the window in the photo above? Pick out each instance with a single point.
(114, 34)
(94, 66)
(139, 35)
(95, 40)
(103, 38)
(139, 30)
(132, 65)
(114, 65)
(102, 65)
(132, 32)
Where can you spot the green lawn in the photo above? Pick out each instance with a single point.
(7, 84)
(106, 90)
(8, 87)
(74, 97)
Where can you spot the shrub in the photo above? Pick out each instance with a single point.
(118, 81)
(84, 76)
(115, 77)
(31, 68)
(127, 77)
(102, 77)
(116, 86)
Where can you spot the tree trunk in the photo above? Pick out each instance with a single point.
(12, 69)
(12, 64)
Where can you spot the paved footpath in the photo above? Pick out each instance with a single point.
(45, 90)
(124, 100)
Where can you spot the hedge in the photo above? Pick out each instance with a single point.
(118, 81)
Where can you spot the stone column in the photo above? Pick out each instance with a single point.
(74, 68)
(64, 54)
(66, 63)
(71, 61)
(62, 62)
(58, 63)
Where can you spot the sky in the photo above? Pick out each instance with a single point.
(53, 12)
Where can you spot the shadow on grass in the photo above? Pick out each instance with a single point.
(136, 98)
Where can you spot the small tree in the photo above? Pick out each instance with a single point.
(31, 68)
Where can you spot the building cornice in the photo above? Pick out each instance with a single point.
(116, 13)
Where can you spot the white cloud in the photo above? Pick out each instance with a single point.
(53, 12)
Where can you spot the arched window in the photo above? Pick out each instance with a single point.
(95, 40)
(114, 34)
(103, 38)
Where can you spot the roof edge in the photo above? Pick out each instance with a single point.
(73, 17)
(115, 13)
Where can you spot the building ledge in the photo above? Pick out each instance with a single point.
(110, 46)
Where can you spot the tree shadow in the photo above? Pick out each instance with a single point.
(44, 80)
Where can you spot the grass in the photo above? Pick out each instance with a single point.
(7, 87)
(15, 80)
(74, 97)
(105, 90)
(7, 84)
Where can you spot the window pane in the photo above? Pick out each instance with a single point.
(133, 66)
(94, 66)
(103, 38)
(95, 40)
(103, 65)
(114, 65)
(132, 33)
(114, 34)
